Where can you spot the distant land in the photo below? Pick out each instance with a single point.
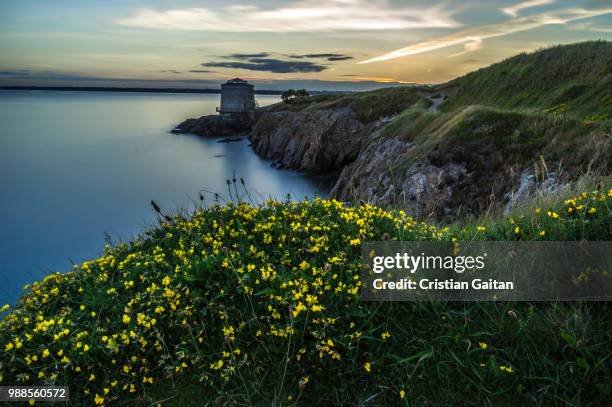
(150, 90)
(116, 89)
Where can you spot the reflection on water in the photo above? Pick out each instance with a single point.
(75, 166)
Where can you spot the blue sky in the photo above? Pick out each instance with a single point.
(317, 44)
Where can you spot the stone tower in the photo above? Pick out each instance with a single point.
(237, 99)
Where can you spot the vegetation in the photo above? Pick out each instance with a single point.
(243, 304)
(369, 106)
(492, 144)
(290, 95)
(550, 111)
(575, 79)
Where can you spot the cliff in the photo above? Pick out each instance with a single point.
(439, 151)
(325, 133)
(316, 141)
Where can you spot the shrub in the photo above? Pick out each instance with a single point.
(239, 304)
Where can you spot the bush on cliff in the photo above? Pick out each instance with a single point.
(243, 305)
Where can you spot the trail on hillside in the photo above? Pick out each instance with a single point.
(436, 99)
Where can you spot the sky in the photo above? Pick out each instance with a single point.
(278, 44)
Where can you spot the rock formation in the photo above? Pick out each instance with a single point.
(317, 141)
(215, 126)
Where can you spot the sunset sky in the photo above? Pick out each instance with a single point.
(316, 44)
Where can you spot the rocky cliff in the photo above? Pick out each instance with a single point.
(465, 162)
(420, 188)
(317, 141)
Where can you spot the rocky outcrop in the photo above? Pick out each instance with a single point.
(312, 140)
(214, 126)
(421, 187)
(446, 182)
(533, 184)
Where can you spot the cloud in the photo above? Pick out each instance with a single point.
(469, 47)
(261, 61)
(329, 57)
(514, 10)
(201, 71)
(297, 16)
(269, 65)
(247, 56)
(377, 79)
(478, 34)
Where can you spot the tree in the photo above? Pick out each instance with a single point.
(290, 95)
(302, 93)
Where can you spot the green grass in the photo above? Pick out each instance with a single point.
(243, 305)
(496, 145)
(574, 79)
(369, 106)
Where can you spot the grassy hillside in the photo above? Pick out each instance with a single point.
(496, 145)
(550, 110)
(260, 305)
(369, 106)
(574, 79)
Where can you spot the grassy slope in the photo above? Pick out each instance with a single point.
(493, 144)
(574, 79)
(369, 106)
(247, 305)
(552, 106)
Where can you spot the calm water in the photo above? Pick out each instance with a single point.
(75, 166)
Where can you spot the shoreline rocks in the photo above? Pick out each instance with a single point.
(215, 126)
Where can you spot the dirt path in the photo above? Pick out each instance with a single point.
(436, 99)
(435, 102)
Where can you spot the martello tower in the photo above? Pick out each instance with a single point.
(237, 99)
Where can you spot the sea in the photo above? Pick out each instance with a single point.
(79, 169)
